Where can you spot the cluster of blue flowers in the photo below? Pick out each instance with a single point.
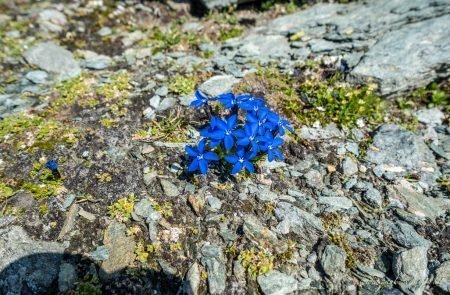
(259, 134)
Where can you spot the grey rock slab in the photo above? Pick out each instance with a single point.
(432, 117)
(333, 261)
(410, 269)
(302, 223)
(101, 253)
(212, 258)
(396, 60)
(417, 203)
(104, 31)
(314, 179)
(52, 20)
(214, 203)
(218, 85)
(371, 271)
(67, 277)
(259, 233)
(191, 284)
(264, 46)
(54, 59)
(442, 277)
(37, 77)
(166, 104)
(99, 62)
(405, 235)
(145, 209)
(373, 197)
(320, 133)
(336, 202)
(26, 264)
(170, 189)
(217, 4)
(349, 166)
(121, 250)
(275, 282)
(264, 194)
(400, 150)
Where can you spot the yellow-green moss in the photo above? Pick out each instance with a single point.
(122, 209)
(5, 192)
(256, 262)
(183, 85)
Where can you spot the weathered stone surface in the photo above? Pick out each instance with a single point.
(442, 278)
(212, 258)
(275, 282)
(27, 266)
(218, 85)
(54, 59)
(170, 189)
(121, 250)
(293, 219)
(217, 4)
(259, 233)
(192, 283)
(333, 261)
(67, 277)
(410, 269)
(405, 235)
(336, 202)
(349, 166)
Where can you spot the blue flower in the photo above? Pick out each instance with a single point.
(274, 122)
(52, 165)
(224, 131)
(259, 118)
(201, 99)
(241, 160)
(201, 158)
(248, 136)
(270, 144)
(228, 99)
(252, 104)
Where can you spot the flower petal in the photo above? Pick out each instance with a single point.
(193, 166)
(243, 141)
(231, 159)
(229, 142)
(191, 152)
(249, 167)
(201, 146)
(236, 168)
(211, 156)
(203, 166)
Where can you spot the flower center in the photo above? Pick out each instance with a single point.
(199, 157)
(251, 138)
(241, 160)
(270, 147)
(227, 132)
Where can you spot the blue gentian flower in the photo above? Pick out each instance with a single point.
(228, 99)
(252, 104)
(259, 118)
(201, 157)
(201, 99)
(270, 144)
(275, 123)
(248, 136)
(241, 160)
(224, 131)
(52, 165)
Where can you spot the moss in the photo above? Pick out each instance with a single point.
(43, 210)
(71, 91)
(183, 85)
(175, 247)
(104, 177)
(256, 262)
(229, 33)
(5, 192)
(40, 191)
(88, 285)
(165, 209)
(122, 209)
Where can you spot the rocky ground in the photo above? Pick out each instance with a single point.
(360, 204)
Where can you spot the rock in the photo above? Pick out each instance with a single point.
(432, 117)
(317, 133)
(192, 283)
(53, 59)
(218, 85)
(400, 150)
(314, 179)
(217, 4)
(212, 258)
(37, 77)
(99, 62)
(264, 194)
(87, 215)
(166, 104)
(349, 166)
(418, 203)
(144, 209)
(257, 232)
(52, 20)
(302, 223)
(104, 31)
(214, 203)
(168, 269)
(336, 203)
(150, 176)
(371, 271)
(121, 250)
(373, 197)
(410, 269)
(275, 282)
(67, 277)
(442, 277)
(101, 253)
(69, 222)
(170, 189)
(155, 101)
(27, 265)
(196, 203)
(395, 60)
(187, 99)
(264, 46)
(405, 235)
(162, 91)
(333, 262)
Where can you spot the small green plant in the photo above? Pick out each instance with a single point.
(5, 192)
(122, 209)
(165, 209)
(256, 262)
(43, 209)
(183, 85)
(229, 33)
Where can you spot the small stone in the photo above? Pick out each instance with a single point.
(101, 253)
(187, 99)
(442, 277)
(191, 285)
(104, 31)
(170, 189)
(69, 222)
(265, 195)
(155, 101)
(218, 85)
(149, 177)
(333, 261)
(196, 203)
(432, 117)
(314, 179)
(349, 166)
(410, 269)
(37, 77)
(52, 20)
(257, 232)
(214, 203)
(99, 62)
(212, 257)
(275, 282)
(373, 197)
(371, 271)
(89, 216)
(166, 104)
(336, 202)
(67, 277)
(162, 91)
(405, 235)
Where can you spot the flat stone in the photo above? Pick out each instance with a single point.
(336, 202)
(214, 203)
(318, 133)
(87, 215)
(191, 285)
(67, 277)
(26, 264)
(302, 223)
(101, 253)
(410, 269)
(212, 257)
(99, 62)
(373, 197)
(37, 77)
(217, 4)
(52, 20)
(349, 166)
(218, 85)
(144, 208)
(104, 31)
(371, 271)
(54, 59)
(405, 235)
(121, 250)
(442, 277)
(170, 189)
(166, 104)
(432, 117)
(69, 221)
(333, 261)
(275, 46)
(257, 232)
(275, 282)
(314, 179)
